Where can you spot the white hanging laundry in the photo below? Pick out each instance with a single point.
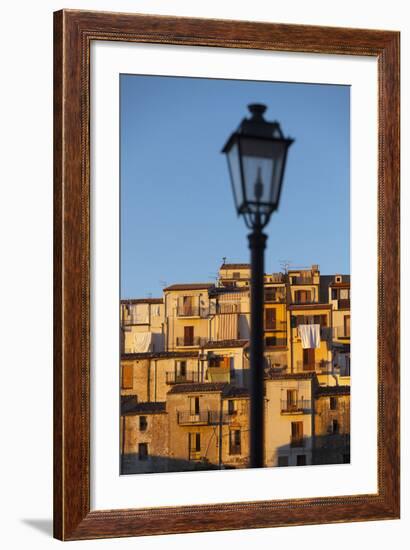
(310, 336)
(142, 342)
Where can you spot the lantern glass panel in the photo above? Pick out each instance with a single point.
(262, 162)
(234, 164)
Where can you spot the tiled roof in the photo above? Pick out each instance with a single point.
(158, 355)
(234, 391)
(291, 376)
(226, 344)
(310, 306)
(190, 286)
(149, 407)
(142, 301)
(203, 387)
(235, 266)
(332, 390)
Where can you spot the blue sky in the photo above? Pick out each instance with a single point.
(177, 214)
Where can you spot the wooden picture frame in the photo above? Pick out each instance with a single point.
(74, 32)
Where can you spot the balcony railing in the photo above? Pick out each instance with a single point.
(302, 280)
(277, 297)
(341, 332)
(192, 311)
(203, 417)
(130, 321)
(275, 325)
(181, 341)
(272, 342)
(186, 378)
(292, 407)
(321, 367)
(297, 441)
(325, 333)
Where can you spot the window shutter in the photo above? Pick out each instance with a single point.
(127, 375)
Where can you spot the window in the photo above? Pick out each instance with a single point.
(309, 359)
(194, 445)
(283, 461)
(231, 406)
(180, 371)
(188, 336)
(297, 434)
(187, 305)
(346, 458)
(300, 460)
(236, 275)
(270, 318)
(334, 293)
(194, 405)
(143, 423)
(142, 451)
(346, 321)
(303, 296)
(127, 375)
(335, 426)
(291, 399)
(235, 442)
(333, 403)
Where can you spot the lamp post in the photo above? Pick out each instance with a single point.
(256, 154)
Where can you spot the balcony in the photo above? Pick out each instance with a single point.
(274, 297)
(300, 406)
(187, 418)
(275, 325)
(321, 367)
(343, 304)
(297, 441)
(273, 342)
(196, 341)
(189, 377)
(192, 311)
(342, 333)
(301, 280)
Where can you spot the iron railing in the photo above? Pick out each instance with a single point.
(173, 377)
(323, 367)
(341, 332)
(192, 311)
(203, 417)
(302, 280)
(297, 406)
(181, 341)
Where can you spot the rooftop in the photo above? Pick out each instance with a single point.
(142, 301)
(226, 344)
(201, 387)
(332, 390)
(158, 355)
(149, 407)
(190, 286)
(235, 266)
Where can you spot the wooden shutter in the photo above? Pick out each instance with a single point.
(270, 318)
(347, 325)
(297, 430)
(127, 375)
(189, 336)
(309, 359)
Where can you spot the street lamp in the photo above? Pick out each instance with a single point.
(256, 154)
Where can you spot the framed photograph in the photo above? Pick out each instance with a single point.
(194, 378)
